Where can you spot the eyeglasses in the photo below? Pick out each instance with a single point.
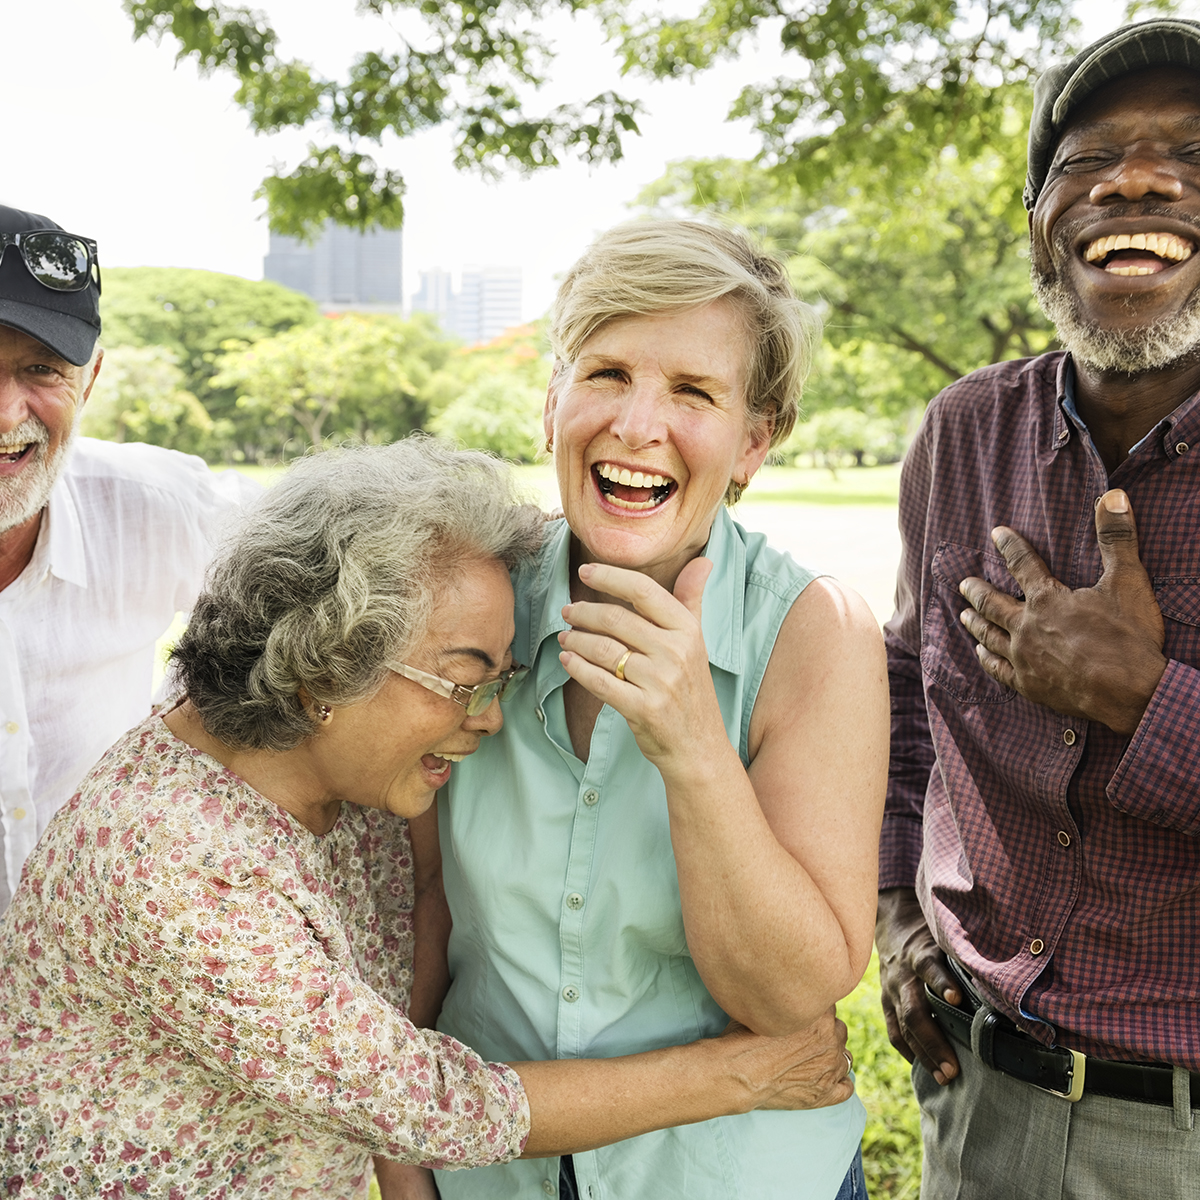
(473, 699)
(63, 262)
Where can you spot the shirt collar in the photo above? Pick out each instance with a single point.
(1172, 430)
(543, 587)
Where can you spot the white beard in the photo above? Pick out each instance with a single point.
(25, 495)
(1153, 347)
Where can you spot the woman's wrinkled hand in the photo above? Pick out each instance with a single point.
(666, 694)
(807, 1069)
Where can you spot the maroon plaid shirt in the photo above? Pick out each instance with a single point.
(1056, 860)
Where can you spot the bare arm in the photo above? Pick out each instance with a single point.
(777, 865)
(577, 1105)
(431, 922)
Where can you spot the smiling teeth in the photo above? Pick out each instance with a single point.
(450, 757)
(627, 478)
(1165, 245)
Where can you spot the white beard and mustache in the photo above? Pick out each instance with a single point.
(26, 494)
(1150, 347)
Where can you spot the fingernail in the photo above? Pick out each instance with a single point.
(1116, 502)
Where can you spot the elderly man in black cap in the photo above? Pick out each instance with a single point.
(100, 544)
(1039, 912)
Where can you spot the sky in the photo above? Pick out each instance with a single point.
(115, 140)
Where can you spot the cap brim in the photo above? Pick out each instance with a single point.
(69, 337)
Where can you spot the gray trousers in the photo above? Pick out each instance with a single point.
(989, 1137)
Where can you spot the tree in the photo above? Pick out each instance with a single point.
(874, 81)
(140, 396)
(353, 377)
(467, 67)
(499, 413)
(198, 316)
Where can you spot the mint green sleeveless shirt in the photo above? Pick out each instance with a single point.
(568, 937)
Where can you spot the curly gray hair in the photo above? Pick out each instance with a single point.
(333, 574)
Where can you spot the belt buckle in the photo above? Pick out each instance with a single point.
(1078, 1070)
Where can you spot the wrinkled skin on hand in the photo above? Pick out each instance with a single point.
(807, 1069)
(1096, 652)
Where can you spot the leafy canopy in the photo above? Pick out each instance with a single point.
(870, 81)
(471, 67)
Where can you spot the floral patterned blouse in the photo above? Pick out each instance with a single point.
(201, 998)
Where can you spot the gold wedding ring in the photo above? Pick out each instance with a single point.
(619, 669)
(849, 1061)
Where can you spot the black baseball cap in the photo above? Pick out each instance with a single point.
(66, 322)
(1161, 42)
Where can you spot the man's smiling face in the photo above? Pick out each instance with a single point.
(1116, 229)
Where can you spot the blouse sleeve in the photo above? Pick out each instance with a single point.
(239, 969)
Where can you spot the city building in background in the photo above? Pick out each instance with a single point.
(343, 269)
(487, 302)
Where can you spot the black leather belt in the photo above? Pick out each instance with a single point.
(1066, 1073)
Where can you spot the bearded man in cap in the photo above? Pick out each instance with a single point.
(1039, 912)
(100, 544)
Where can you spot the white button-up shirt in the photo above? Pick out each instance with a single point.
(122, 548)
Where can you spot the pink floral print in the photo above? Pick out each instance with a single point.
(199, 999)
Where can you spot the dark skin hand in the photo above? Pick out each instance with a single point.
(1095, 653)
(909, 959)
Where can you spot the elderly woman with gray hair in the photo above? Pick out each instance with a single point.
(206, 975)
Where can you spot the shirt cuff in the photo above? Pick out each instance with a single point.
(1158, 778)
(900, 843)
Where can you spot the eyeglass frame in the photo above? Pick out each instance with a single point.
(460, 693)
(89, 244)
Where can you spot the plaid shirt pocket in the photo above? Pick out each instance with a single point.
(947, 649)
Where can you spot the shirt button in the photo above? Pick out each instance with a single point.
(574, 901)
(541, 716)
(1064, 838)
(1181, 447)
(570, 994)
(12, 727)
(548, 1187)
(1063, 435)
(590, 797)
(18, 814)
(1069, 736)
(1036, 947)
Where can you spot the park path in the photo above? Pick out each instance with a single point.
(860, 545)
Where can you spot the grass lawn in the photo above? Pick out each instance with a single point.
(777, 485)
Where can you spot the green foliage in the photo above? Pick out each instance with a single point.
(362, 378)
(892, 1141)
(497, 413)
(468, 67)
(846, 436)
(874, 82)
(140, 396)
(195, 313)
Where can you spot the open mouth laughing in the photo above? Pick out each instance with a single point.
(634, 491)
(1138, 253)
(16, 453)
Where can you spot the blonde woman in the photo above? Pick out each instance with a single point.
(679, 823)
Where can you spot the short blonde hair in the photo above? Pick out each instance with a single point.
(649, 267)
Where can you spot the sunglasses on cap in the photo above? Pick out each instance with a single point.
(473, 699)
(63, 262)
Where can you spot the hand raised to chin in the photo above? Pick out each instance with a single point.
(1095, 652)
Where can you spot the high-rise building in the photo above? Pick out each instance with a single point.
(344, 268)
(487, 303)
